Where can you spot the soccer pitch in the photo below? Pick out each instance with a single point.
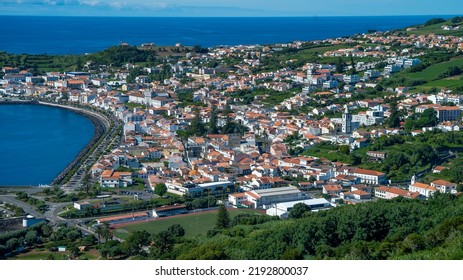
(194, 224)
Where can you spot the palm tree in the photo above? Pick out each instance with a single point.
(99, 232)
(106, 231)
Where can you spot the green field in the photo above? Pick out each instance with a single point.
(432, 72)
(436, 29)
(450, 83)
(193, 224)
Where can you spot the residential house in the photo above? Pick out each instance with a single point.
(333, 190)
(112, 179)
(424, 189)
(444, 186)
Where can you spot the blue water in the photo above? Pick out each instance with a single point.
(37, 142)
(78, 35)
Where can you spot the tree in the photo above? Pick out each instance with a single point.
(292, 254)
(199, 49)
(298, 211)
(233, 127)
(134, 243)
(74, 251)
(213, 129)
(434, 21)
(427, 119)
(223, 219)
(111, 248)
(344, 149)
(312, 179)
(340, 65)
(352, 63)
(176, 230)
(394, 118)
(163, 242)
(12, 243)
(89, 240)
(31, 237)
(160, 189)
(431, 117)
(106, 231)
(183, 134)
(86, 183)
(99, 232)
(197, 126)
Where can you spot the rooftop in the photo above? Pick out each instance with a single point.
(277, 191)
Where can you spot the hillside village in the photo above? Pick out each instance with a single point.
(224, 123)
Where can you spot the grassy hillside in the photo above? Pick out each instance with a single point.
(454, 83)
(423, 29)
(434, 71)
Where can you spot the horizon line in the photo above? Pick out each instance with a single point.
(231, 16)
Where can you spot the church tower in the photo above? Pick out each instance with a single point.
(346, 121)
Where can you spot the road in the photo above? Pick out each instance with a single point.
(29, 209)
(75, 182)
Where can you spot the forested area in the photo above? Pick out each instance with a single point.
(387, 229)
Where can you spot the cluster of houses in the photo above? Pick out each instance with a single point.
(256, 169)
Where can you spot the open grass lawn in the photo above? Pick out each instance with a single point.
(193, 224)
(449, 83)
(432, 72)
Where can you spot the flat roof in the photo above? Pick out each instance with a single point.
(213, 184)
(277, 191)
(309, 202)
(122, 217)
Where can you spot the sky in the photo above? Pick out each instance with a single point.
(235, 8)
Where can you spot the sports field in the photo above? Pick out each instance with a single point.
(194, 224)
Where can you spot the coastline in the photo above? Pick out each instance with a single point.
(101, 126)
(104, 32)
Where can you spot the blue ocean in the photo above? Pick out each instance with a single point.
(78, 35)
(37, 142)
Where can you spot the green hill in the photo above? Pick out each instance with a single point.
(435, 26)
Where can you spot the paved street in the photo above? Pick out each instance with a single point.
(27, 208)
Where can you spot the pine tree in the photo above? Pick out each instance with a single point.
(394, 118)
(213, 129)
(340, 64)
(197, 126)
(352, 63)
(223, 220)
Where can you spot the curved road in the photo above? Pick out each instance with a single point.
(29, 209)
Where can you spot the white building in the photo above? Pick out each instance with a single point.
(424, 189)
(282, 209)
(199, 189)
(265, 197)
